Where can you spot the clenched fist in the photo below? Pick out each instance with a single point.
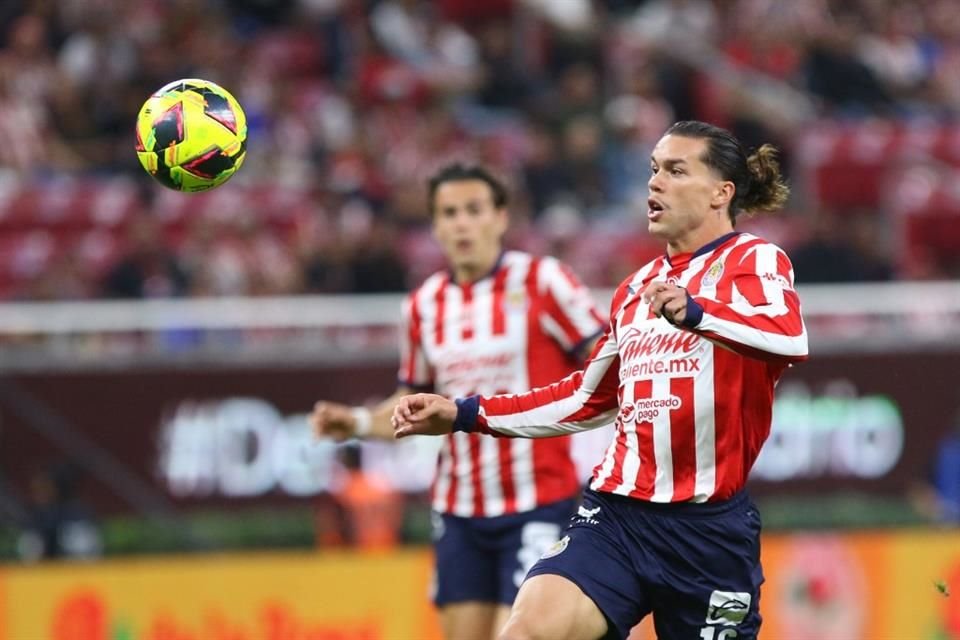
(333, 420)
(424, 414)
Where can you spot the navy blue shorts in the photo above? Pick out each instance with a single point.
(695, 567)
(486, 559)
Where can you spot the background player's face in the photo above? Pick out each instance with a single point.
(468, 226)
(687, 198)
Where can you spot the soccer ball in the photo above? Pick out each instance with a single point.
(191, 135)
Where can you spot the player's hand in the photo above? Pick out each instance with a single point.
(333, 420)
(666, 300)
(423, 414)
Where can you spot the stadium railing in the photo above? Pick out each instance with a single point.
(846, 318)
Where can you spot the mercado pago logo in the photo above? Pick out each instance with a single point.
(244, 448)
(85, 614)
(646, 409)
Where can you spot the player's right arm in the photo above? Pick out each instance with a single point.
(342, 422)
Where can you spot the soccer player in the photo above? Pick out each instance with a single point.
(697, 340)
(495, 322)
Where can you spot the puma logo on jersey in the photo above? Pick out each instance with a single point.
(583, 512)
(586, 516)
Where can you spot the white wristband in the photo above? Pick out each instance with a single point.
(363, 421)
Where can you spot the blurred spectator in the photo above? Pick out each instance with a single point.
(946, 475)
(834, 72)
(939, 498)
(686, 23)
(60, 524)
(581, 144)
(443, 53)
(357, 101)
(636, 119)
(544, 175)
(578, 95)
(150, 269)
(823, 257)
(870, 248)
(842, 249)
(373, 511)
(896, 52)
(504, 84)
(376, 265)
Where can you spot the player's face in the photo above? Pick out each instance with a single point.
(468, 226)
(686, 207)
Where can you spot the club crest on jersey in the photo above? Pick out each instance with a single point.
(516, 300)
(712, 276)
(556, 548)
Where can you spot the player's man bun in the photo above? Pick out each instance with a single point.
(767, 190)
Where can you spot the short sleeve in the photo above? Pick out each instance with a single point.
(570, 313)
(415, 371)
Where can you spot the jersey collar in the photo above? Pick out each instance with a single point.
(489, 274)
(681, 258)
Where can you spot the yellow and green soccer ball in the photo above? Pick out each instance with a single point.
(191, 135)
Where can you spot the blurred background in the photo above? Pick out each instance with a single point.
(159, 351)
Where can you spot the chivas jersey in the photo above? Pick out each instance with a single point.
(692, 404)
(518, 328)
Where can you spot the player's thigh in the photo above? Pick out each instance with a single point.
(718, 596)
(594, 570)
(529, 536)
(465, 570)
(551, 607)
(500, 620)
(470, 620)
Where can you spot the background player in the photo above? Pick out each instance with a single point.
(494, 322)
(697, 340)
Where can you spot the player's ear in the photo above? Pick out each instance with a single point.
(722, 194)
(503, 219)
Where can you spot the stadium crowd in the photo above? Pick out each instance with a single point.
(352, 103)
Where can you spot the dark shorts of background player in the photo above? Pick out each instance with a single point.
(486, 559)
(695, 567)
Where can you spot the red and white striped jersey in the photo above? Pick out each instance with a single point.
(517, 328)
(692, 406)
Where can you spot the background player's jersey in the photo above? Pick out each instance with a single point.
(691, 412)
(519, 327)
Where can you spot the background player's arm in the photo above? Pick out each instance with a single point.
(583, 351)
(569, 312)
(583, 400)
(341, 421)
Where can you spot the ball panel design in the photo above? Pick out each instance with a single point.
(168, 127)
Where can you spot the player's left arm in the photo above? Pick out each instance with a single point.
(758, 314)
